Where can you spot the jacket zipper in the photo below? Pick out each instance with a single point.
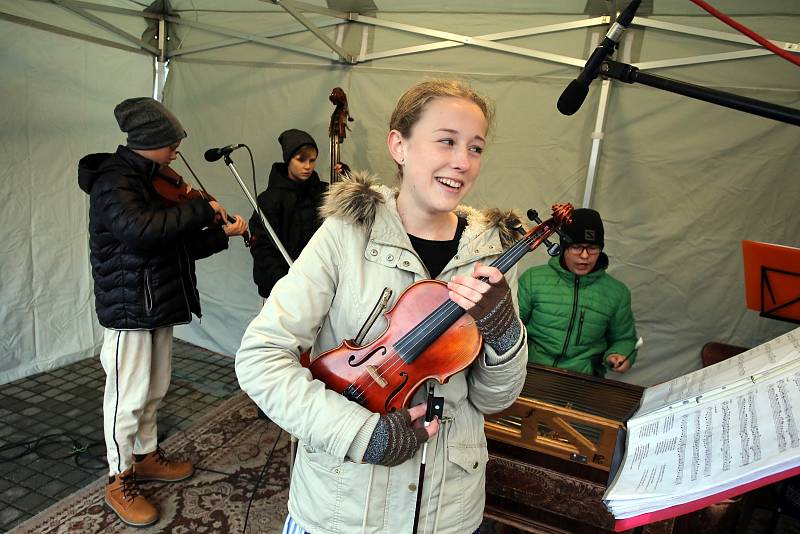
(183, 283)
(148, 293)
(580, 327)
(571, 322)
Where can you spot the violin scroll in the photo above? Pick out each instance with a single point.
(562, 214)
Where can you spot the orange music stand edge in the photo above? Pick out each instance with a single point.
(772, 280)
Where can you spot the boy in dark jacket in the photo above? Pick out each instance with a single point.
(290, 203)
(143, 250)
(578, 316)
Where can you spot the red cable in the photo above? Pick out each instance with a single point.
(748, 32)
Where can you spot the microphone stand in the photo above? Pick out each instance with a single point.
(630, 74)
(435, 407)
(250, 198)
(274, 236)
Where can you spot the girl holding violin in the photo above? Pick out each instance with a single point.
(357, 468)
(143, 252)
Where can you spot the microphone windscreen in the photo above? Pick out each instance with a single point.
(212, 154)
(573, 96)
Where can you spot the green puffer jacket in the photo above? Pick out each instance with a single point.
(575, 322)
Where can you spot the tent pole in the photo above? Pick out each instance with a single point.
(161, 63)
(597, 137)
(599, 125)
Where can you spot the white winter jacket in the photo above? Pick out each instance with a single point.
(324, 299)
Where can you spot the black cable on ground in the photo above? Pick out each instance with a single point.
(57, 447)
(261, 476)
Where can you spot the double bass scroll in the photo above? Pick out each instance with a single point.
(337, 130)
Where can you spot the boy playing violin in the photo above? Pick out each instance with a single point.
(143, 253)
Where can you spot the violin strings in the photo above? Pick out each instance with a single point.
(418, 334)
(393, 360)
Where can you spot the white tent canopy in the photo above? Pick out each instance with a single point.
(679, 182)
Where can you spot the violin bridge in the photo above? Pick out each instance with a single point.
(376, 377)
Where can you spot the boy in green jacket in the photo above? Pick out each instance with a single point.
(578, 316)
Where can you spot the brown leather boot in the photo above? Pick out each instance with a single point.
(156, 466)
(123, 497)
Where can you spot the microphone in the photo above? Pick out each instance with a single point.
(213, 154)
(573, 96)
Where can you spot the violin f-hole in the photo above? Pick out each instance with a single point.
(355, 363)
(394, 393)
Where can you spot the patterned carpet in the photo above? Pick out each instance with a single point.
(234, 452)
(230, 448)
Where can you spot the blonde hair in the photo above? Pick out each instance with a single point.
(412, 103)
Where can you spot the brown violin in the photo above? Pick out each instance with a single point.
(174, 189)
(428, 337)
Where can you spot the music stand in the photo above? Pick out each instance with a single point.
(772, 280)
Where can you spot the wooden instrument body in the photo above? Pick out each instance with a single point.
(549, 458)
(550, 452)
(377, 377)
(173, 189)
(429, 337)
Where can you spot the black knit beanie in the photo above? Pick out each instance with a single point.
(293, 140)
(586, 227)
(148, 123)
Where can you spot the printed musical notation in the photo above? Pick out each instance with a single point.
(704, 441)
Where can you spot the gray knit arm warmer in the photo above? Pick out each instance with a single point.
(394, 440)
(496, 318)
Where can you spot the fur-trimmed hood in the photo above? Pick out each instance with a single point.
(358, 197)
(360, 251)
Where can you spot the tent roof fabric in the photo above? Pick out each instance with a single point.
(679, 182)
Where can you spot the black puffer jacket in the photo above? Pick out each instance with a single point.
(143, 250)
(291, 209)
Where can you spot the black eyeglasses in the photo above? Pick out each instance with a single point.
(591, 250)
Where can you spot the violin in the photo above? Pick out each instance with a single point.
(428, 337)
(337, 130)
(174, 189)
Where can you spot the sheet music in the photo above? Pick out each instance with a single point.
(700, 448)
(734, 371)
